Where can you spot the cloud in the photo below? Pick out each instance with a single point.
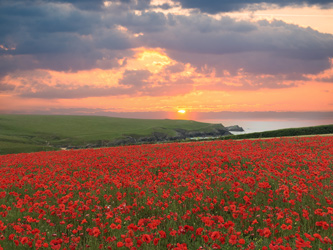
(254, 47)
(58, 37)
(266, 115)
(221, 116)
(135, 78)
(62, 91)
(83, 4)
(205, 35)
(88, 5)
(217, 6)
(111, 112)
(77, 35)
(61, 37)
(164, 87)
(249, 83)
(4, 87)
(67, 92)
(148, 21)
(327, 79)
(175, 68)
(31, 17)
(43, 85)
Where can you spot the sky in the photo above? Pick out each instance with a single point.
(153, 58)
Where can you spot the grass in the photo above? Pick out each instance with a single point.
(31, 133)
(16, 148)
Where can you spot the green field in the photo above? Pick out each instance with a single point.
(31, 133)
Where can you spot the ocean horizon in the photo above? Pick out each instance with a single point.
(261, 125)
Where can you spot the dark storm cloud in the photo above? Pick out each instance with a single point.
(216, 6)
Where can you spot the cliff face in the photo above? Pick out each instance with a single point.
(235, 128)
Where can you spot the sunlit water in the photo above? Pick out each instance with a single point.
(251, 126)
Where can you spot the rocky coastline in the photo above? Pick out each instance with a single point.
(160, 137)
(235, 128)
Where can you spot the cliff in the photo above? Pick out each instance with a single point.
(235, 128)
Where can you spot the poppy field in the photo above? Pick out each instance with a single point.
(249, 194)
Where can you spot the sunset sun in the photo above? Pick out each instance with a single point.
(182, 111)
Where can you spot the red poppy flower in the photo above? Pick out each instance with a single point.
(146, 238)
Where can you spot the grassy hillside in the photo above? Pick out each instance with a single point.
(30, 133)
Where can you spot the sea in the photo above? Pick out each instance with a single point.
(251, 126)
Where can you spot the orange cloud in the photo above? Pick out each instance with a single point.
(169, 86)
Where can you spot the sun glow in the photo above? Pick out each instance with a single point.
(152, 59)
(182, 111)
